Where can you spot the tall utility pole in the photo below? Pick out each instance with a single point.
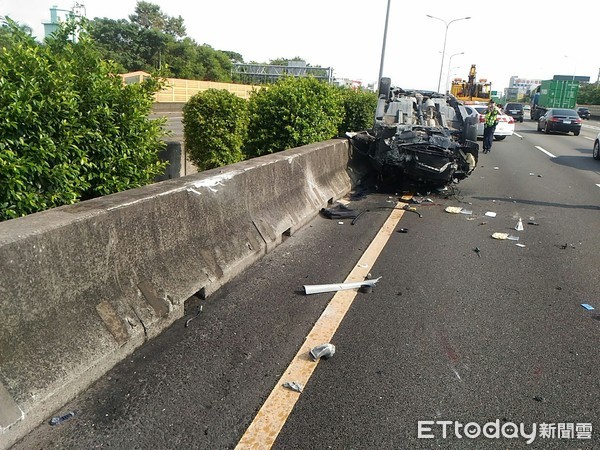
(387, 16)
(447, 24)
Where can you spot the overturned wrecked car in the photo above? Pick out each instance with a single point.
(419, 138)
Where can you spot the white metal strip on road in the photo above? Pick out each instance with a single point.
(273, 414)
(545, 151)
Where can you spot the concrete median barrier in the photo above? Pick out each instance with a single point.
(83, 286)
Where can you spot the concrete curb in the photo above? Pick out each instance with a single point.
(84, 285)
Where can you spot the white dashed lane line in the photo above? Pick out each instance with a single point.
(545, 151)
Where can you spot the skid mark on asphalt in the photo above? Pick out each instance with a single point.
(273, 414)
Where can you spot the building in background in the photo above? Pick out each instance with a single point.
(520, 87)
(58, 16)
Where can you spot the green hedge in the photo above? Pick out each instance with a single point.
(69, 129)
(291, 113)
(359, 110)
(215, 123)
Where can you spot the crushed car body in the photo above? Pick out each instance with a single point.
(418, 137)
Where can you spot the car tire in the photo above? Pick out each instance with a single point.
(538, 127)
(596, 151)
(546, 129)
(499, 138)
(576, 133)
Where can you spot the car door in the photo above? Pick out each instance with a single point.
(543, 119)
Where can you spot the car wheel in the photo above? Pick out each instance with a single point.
(521, 120)
(499, 138)
(546, 129)
(596, 151)
(539, 127)
(576, 133)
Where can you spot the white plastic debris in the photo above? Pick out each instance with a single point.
(519, 226)
(320, 288)
(324, 351)
(453, 209)
(294, 386)
(490, 214)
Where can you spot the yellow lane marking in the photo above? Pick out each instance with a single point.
(271, 417)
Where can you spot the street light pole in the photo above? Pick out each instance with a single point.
(387, 16)
(447, 24)
(450, 68)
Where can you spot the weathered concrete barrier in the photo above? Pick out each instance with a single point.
(82, 286)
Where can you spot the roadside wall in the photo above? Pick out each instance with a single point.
(82, 286)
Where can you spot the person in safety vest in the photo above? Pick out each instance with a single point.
(489, 126)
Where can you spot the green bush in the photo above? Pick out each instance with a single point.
(215, 124)
(69, 129)
(291, 113)
(359, 110)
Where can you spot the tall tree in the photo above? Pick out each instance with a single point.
(150, 16)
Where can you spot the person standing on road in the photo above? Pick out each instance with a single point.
(489, 126)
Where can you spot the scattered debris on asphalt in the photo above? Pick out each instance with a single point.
(588, 307)
(519, 225)
(187, 322)
(476, 250)
(324, 351)
(564, 246)
(520, 245)
(412, 209)
(61, 419)
(504, 236)
(320, 288)
(453, 209)
(358, 215)
(490, 214)
(294, 386)
(531, 222)
(403, 230)
(339, 212)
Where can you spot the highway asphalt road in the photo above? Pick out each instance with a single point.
(450, 335)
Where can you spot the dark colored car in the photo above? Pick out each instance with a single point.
(515, 110)
(559, 119)
(584, 113)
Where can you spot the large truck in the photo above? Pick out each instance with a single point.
(555, 93)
